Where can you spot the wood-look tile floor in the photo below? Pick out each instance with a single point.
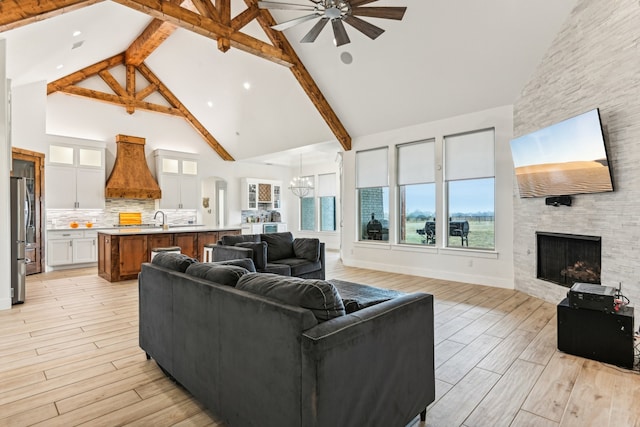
(69, 356)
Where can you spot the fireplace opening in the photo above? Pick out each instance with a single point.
(568, 258)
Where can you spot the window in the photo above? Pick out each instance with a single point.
(327, 197)
(470, 189)
(308, 210)
(417, 192)
(372, 183)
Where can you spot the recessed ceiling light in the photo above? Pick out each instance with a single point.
(210, 104)
(76, 33)
(59, 67)
(246, 85)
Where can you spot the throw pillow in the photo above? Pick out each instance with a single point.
(319, 296)
(259, 253)
(173, 261)
(223, 274)
(306, 248)
(231, 240)
(280, 245)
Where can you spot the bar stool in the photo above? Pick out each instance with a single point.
(168, 249)
(207, 255)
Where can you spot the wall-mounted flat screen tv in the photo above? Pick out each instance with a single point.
(566, 158)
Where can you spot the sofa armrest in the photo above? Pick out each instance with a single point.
(377, 363)
(226, 253)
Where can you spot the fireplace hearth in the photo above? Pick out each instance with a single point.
(565, 259)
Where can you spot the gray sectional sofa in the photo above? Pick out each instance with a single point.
(266, 350)
(277, 253)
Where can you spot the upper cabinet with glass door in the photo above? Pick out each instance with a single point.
(75, 176)
(178, 179)
(261, 194)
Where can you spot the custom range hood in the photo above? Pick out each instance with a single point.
(131, 177)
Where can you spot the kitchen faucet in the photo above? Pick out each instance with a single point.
(163, 217)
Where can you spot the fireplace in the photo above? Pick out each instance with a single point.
(568, 258)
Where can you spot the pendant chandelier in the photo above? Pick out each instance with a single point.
(300, 185)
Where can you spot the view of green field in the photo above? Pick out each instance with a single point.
(481, 234)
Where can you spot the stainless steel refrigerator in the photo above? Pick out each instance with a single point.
(20, 211)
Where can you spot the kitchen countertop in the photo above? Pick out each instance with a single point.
(159, 230)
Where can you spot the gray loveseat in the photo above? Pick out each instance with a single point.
(277, 253)
(255, 360)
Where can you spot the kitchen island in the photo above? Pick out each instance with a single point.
(122, 251)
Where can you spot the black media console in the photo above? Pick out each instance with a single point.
(606, 337)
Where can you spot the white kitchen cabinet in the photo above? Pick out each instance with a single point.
(282, 227)
(69, 247)
(75, 177)
(177, 175)
(261, 194)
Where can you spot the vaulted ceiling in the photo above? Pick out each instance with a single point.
(190, 59)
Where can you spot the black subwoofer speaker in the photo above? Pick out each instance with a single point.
(606, 337)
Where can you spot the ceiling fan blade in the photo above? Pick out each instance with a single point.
(339, 32)
(293, 22)
(380, 12)
(315, 31)
(355, 3)
(364, 27)
(284, 6)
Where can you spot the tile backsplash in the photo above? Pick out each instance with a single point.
(107, 217)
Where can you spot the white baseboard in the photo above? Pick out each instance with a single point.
(5, 303)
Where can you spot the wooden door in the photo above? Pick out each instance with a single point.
(35, 250)
(188, 243)
(132, 253)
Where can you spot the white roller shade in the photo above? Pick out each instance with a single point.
(470, 155)
(416, 163)
(327, 185)
(372, 168)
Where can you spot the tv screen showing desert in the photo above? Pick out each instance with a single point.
(566, 158)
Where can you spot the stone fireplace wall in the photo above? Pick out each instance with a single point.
(593, 62)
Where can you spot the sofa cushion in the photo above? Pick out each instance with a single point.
(319, 296)
(299, 266)
(240, 262)
(307, 248)
(231, 240)
(218, 273)
(259, 252)
(356, 296)
(173, 261)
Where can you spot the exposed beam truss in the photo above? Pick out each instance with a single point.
(200, 16)
(128, 97)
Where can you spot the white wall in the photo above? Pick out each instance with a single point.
(480, 267)
(5, 214)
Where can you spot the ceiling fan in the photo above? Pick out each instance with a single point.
(336, 11)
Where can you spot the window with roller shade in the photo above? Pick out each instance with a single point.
(372, 184)
(470, 189)
(308, 210)
(327, 197)
(416, 192)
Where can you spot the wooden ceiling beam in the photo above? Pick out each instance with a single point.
(119, 100)
(112, 83)
(85, 73)
(173, 100)
(207, 27)
(142, 94)
(150, 39)
(14, 13)
(224, 8)
(243, 18)
(303, 76)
